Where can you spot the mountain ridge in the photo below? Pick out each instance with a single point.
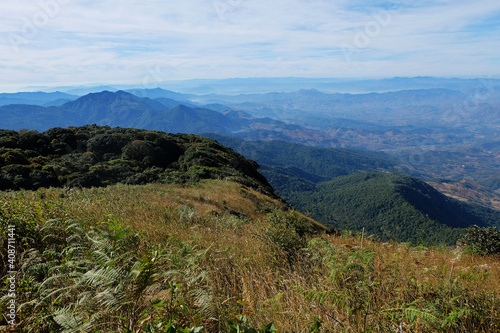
(392, 207)
(127, 110)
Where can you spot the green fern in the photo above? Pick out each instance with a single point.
(412, 313)
(98, 278)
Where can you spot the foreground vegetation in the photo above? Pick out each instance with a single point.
(217, 256)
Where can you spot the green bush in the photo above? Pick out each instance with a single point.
(481, 240)
(14, 157)
(288, 230)
(99, 155)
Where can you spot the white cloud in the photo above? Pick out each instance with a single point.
(57, 42)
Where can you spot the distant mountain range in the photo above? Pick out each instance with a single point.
(235, 86)
(127, 110)
(36, 98)
(450, 130)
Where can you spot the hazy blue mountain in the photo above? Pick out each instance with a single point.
(127, 110)
(419, 127)
(374, 107)
(161, 93)
(21, 116)
(34, 98)
(85, 90)
(57, 102)
(171, 103)
(217, 107)
(183, 119)
(237, 86)
(332, 85)
(108, 108)
(114, 109)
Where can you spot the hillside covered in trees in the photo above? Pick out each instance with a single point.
(392, 206)
(356, 189)
(99, 155)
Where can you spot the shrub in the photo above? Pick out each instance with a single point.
(288, 230)
(481, 240)
(14, 157)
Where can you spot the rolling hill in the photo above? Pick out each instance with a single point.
(355, 189)
(391, 206)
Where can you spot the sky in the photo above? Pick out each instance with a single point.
(81, 42)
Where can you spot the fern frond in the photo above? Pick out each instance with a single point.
(102, 277)
(66, 318)
(318, 296)
(411, 313)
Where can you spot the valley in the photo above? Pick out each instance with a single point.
(444, 132)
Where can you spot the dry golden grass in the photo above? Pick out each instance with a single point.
(353, 285)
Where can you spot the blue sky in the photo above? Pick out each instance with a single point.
(75, 42)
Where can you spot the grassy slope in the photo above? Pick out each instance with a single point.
(352, 284)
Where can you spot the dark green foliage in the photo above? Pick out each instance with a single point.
(108, 143)
(16, 175)
(481, 240)
(99, 156)
(8, 138)
(33, 140)
(289, 180)
(14, 157)
(391, 206)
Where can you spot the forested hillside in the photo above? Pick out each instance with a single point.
(205, 245)
(327, 183)
(319, 163)
(392, 206)
(99, 155)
